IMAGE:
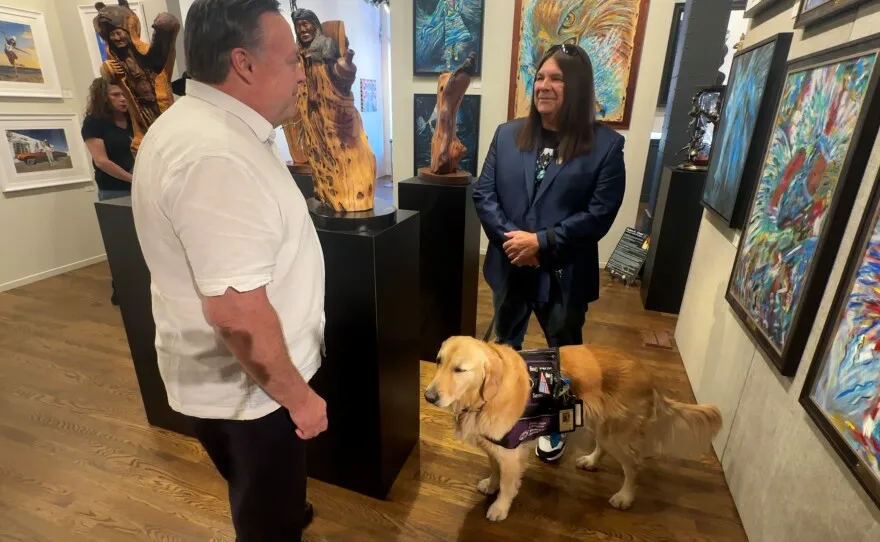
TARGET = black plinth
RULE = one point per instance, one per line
(132, 280)
(382, 215)
(304, 181)
(450, 259)
(673, 237)
(370, 375)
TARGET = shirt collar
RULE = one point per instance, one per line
(262, 128)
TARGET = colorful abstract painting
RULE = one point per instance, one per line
(369, 100)
(610, 31)
(467, 130)
(812, 133)
(445, 32)
(742, 104)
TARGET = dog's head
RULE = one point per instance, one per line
(468, 374)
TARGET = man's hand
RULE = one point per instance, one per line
(310, 416)
(521, 247)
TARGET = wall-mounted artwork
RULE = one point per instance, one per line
(369, 100)
(27, 67)
(468, 130)
(445, 32)
(94, 41)
(610, 31)
(842, 389)
(41, 151)
(756, 79)
(816, 11)
(812, 169)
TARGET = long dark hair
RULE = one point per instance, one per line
(577, 117)
(99, 102)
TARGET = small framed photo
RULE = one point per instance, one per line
(41, 151)
(27, 67)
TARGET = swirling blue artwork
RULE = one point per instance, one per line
(446, 32)
(744, 97)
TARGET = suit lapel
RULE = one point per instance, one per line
(553, 170)
(529, 159)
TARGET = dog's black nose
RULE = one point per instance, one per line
(431, 396)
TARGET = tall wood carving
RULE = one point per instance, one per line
(343, 164)
(142, 70)
(447, 149)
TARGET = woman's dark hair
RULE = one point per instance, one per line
(577, 117)
(99, 102)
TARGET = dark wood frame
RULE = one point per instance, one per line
(856, 465)
(759, 8)
(852, 170)
(415, 151)
(824, 12)
(638, 40)
(671, 50)
(478, 67)
(762, 131)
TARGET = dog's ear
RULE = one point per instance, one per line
(493, 368)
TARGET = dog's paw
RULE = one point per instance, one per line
(622, 500)
(498, 511)
(487, 486)
(587, 462)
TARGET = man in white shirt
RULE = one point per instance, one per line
(236, 266)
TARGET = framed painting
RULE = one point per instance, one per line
(756, 7)
(445, 32)
(816, 11)
(27, 68)
(756, 78)
(812, 168)
(842, 389)
(41, 151)
(369, 99)
(95, 43)
(467, 129)
(610, 31)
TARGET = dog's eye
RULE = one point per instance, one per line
(460, 370)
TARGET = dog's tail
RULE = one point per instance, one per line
(683, 430)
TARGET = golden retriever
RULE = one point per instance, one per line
(486, 387)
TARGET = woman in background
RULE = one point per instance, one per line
(107, 133)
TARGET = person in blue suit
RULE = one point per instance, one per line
(550, 189)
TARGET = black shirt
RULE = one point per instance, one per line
(117, 143)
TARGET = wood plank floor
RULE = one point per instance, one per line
(79, 462)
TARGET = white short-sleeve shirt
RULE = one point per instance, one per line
(216, 208)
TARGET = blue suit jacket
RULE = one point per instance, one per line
(578, 199)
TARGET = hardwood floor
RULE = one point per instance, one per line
(79, 462)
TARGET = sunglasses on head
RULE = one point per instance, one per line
(567, 48)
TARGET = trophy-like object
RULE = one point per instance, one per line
(704, 114)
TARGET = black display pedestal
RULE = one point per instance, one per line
(303, 181)
(132, 281)
(449, 259)
(674, 231)
(370, 375)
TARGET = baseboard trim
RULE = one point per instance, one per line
(52, 272)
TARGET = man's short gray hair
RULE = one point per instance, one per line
(213, 28)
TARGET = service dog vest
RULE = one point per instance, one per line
(552, 406)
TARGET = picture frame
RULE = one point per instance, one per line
(745, 127)
(27, 69)
(429, 54)
(811, 12)
(810, 175)
(25, 164)
(615, 87)
(94, 42)
(469, 116)
(757, 7)
(671, 51)
(840, 390)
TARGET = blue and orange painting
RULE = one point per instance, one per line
(20, 62)
(812, 133)
(39, 149)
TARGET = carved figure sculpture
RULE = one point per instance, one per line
(142, 70)
(447, 149)
(343, 164)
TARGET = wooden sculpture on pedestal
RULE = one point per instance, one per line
(343, 164)
(295, 134)
(142, 70)
(447, 149)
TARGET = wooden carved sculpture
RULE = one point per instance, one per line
(343, 164)
(447, 149)
(142, 70)
(295, 134)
